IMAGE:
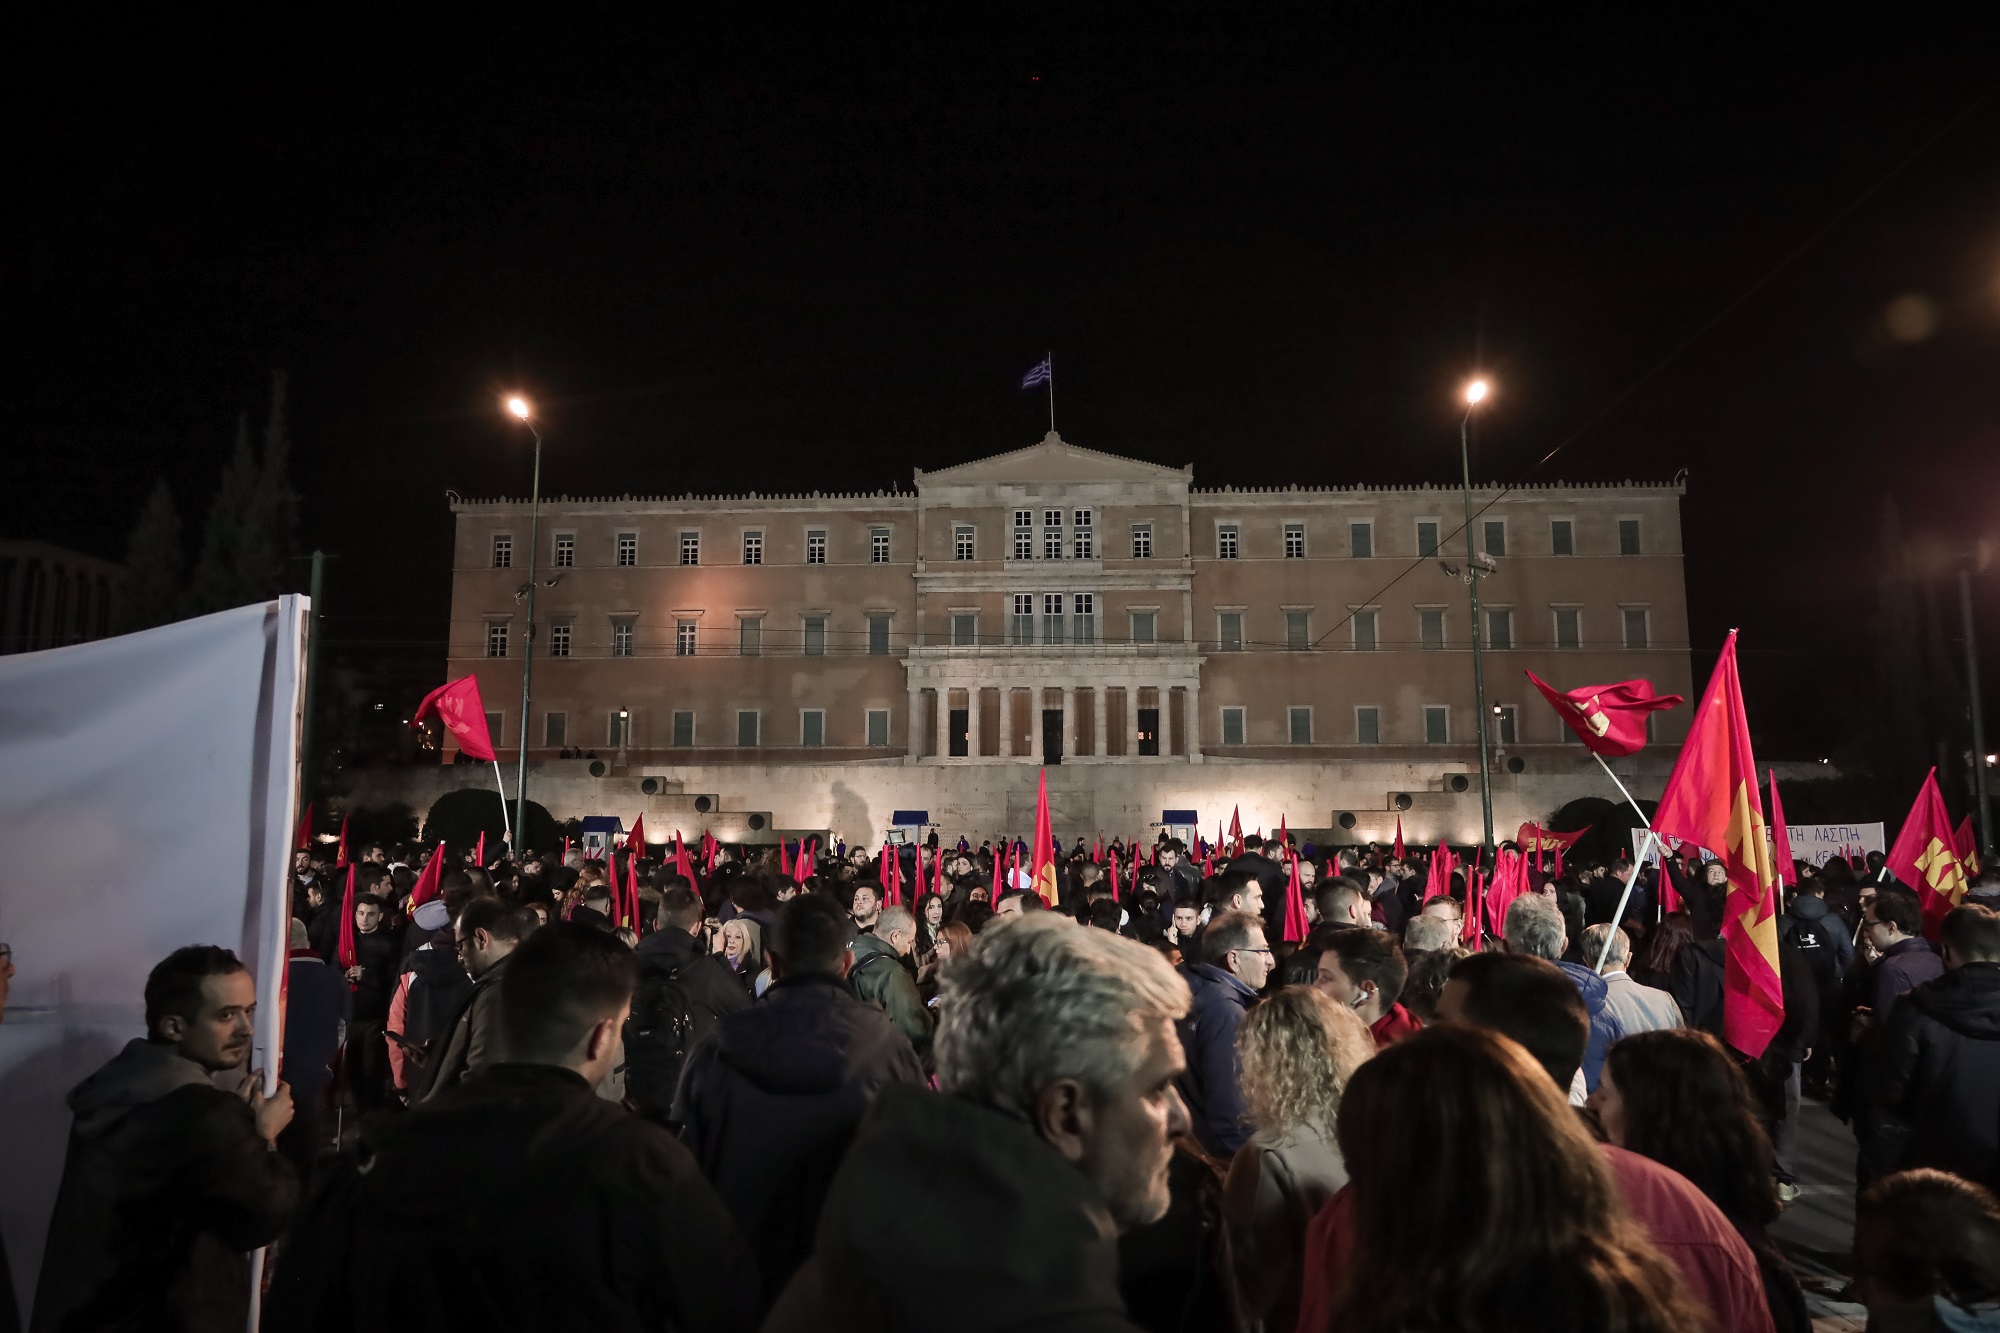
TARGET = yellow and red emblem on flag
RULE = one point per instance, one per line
(1712, 801)
(1042, 869)
(1926, 856)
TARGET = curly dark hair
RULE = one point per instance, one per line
(1689, 1106)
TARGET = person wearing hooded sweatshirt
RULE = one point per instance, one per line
(169, 1181)
(771, 1098)
(1937, 1063)
(1535, 927)
(996, 1204)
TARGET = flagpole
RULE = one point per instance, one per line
(1052, 392)
(1621, 789)
(1645, 849)
(505, 823)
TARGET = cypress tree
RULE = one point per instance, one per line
(153, 593)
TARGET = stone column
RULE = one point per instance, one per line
(1006, 718)
(1194, 720)
(943, 721)
(1132, 719)
(1099, 718)
(916, 745)
(1069, 722)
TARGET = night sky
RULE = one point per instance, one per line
(754, 256)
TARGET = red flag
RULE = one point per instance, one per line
(632, 887)
(340, 852)
(1782, 864)
(1236, 831)
(1475, 906)
(1399, 837)
(1296, 929)
(1712, 801)
(1438, 883)
(998, 874)
(1925, 856)
(635, 841)
(937, 874)
(682, 867)
(1966, 843)
(458, 705)
(479, 852)
(426, 887)
(1042, 870)
(1533, 837)
(1285, 837)
(345, 953)
(895, 878)
(1154, 859)
(709, 847)
(1608, 719)
(1113, 868)
(306, 829)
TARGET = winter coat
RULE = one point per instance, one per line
(1903, 966)
(993, 1230)
(771, 1099)
(1820, 936)
(1639, 1008)
(1605, 1026)
(518, 1199)
(438, 987)
(1937, 1064)
(1211, 1085)
(380, 955)
(470, 1039)
(709, 983)
(166, 1188)
(317, 1002)
(879, 977)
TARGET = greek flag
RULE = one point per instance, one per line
(1042, 373)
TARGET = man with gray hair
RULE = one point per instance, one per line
(1056, 1056)
(1427, 934)
(1638, 1008)
(879, 977)
(1535, 927)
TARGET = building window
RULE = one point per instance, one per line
(746, 727)
(1430, 627)
(496, 724)
(750, 636)
(1499, 628)
(878, 546)
(1297, 635)
(1628, 536)
(496, 639)
(1562, 537)
(1052, 617)
(555, 730)
(1229, 632)
(1024, 534)
(753, 548)
(1635, 628)
(1143, 627)
(1437, 724)
(1365, 637)
(621, 638)
(964, 537)
(812, 727)
(1052, 534)
(1367, 725)
(615, 727)
(815, 546)
(503, 551)
(1225, 541)
(1232, 726)
(628, 549)
(1361, 540)
(1083, 608)
(1295, 541)
(1496, 537)
(1569, 627)
(878, 636)
(1301, 724)
(1142, 541)
(1085, 535)
(683, 727)
(690, 548)
(964, 629)
(878, 727)
(684, 643)
(565, 550)
(815, 636)
(1024, 619)
(559, 639)
(1427, 536)
(1505, 725)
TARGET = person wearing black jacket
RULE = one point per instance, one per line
(1271, 878)
(673, 955)
(1937, 1063)
(520, 1199)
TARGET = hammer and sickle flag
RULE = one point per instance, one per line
(1926, 856)
(1609, 719)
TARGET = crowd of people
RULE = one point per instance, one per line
(1281, 1088)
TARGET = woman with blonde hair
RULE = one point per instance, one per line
(1296, 1051)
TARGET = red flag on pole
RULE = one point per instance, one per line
(1042, 870)
(1608, 719)
(1285, 836)
(999, 871)
(1966, 843)
(1296, 929)
(479, 851)
(632, 887)
(1399, 837)
(709, 847)
(1925, 856)
(1782, 864)
(682, 866)
(895, 879)
(345, 953)
(457, 704)
(1113, 868)
(1712, 801)
(1236, 830)
(340, 852)
(1438, 883)
(305, 842)
(426, 887)
(635, 841)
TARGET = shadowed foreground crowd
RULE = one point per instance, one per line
(787, 1106)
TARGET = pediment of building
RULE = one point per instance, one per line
(1053, 459)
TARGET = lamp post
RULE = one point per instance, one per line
(521, 410)
(1475, 394)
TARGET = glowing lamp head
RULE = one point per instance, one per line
(1475, 392)
(519, 407)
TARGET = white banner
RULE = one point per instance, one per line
(1816, 844)
(147, 790)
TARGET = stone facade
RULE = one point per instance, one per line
(1061, 606)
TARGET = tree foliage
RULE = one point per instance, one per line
(251, 530)
(153, 591)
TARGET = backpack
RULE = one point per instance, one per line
(664, 1025)
(855, 974)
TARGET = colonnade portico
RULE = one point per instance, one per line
(1001, 696)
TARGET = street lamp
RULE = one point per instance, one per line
(524, 412)
(1475, 394)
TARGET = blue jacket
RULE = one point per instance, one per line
(1210, 1086)
(1903, 966)
(317, 1002)
(1605, 1027)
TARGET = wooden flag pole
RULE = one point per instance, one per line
(1645, 848)
(505, 823)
